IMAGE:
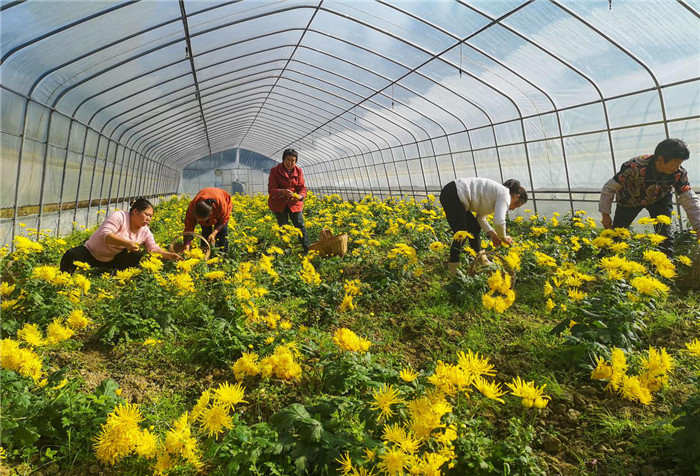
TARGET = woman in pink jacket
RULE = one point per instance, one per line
(287, 191)
(117, 242)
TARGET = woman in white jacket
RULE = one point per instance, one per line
(465, 197)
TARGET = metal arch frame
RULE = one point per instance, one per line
(174, 78)
(515, 73)
(301, 38)
(638, 61)
(28, 99)
(217, 27)
(220, 26)
(572, 68)
(408, 107)
(432, 57)
(198, 96)
(168, 43)
(524, 138)
(329, 103)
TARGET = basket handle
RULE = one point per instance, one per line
(325, 235)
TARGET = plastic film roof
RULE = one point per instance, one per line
(177, 81)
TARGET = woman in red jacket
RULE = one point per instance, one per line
(287, 193)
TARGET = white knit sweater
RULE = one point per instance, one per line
(485, 196)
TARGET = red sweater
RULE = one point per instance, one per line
(280, 180)
(220, 209)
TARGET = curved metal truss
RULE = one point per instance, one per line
(104, 101)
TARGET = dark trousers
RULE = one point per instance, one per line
(624, 216)
(459, 219)
(221, 236)
(122, 261)
(297, 220)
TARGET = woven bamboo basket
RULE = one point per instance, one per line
(330, 245)
(179, 247)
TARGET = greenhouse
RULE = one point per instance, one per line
(359, 237)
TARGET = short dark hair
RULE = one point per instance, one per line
(671, 149)
(291, 152)
(202, 209)
(140, 204)
(515, 188)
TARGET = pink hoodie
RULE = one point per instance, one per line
(118, 223)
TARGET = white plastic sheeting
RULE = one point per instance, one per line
(104, 101)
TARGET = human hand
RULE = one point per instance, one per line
(171, 256)
(187, 247)
(607, 221)
(287, 193)
(495, 238)
(212, 237)
(132, 246)
(508, 240)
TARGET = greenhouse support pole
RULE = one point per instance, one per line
(43, 174)
(19, 171)
(114, 171)
(129, 177)
(63, 179)
(92, 179)
(146, 178)
(136, 181)
(104, 175)
(111, 178)
(142, 178)
(123, 175)
(80, 176)
(331, 178)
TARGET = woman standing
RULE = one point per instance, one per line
(116, 243)
(287, 191)
(464, 197)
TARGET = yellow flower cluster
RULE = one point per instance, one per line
(125, 275)
(500, 295)
(650, 286)
(213, 409)
(19, 359)
(619, 267)
(531, 394)
(347, 340)
(352, 288)
(402, 255)
(694, 347)
(663, 265)
(281, 364)
(121, 436)
(639, 388)
(308, 273)
(24, 246)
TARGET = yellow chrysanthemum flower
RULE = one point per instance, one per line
(407, 374)
(229, 395)
(384, 398)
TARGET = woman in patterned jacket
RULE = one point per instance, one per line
(647, 182)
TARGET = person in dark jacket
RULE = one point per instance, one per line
(287, 191)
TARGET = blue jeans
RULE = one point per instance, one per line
(297, 220)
